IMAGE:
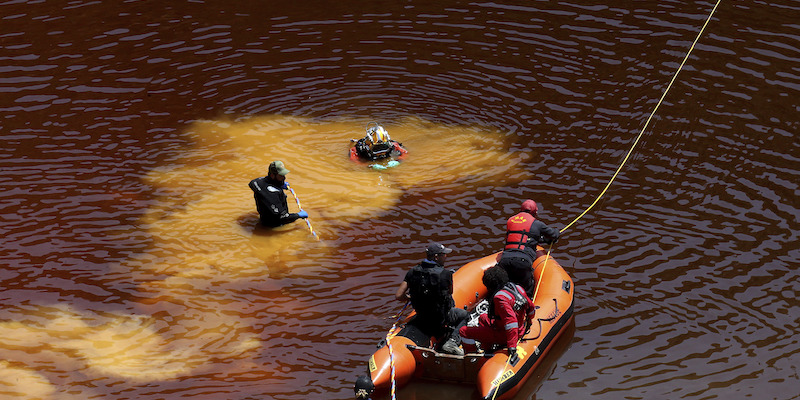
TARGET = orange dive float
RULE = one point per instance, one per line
(409, 354)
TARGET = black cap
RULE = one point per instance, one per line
(437, 248)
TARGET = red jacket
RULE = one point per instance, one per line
(506, 318)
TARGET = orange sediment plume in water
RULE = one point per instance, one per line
(206, 238)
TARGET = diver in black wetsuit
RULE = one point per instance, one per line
(270, 198)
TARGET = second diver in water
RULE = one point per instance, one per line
(376, 145)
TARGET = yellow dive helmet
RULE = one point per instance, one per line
(376, 134)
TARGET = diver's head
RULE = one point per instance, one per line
(376, 134)
(277, 171)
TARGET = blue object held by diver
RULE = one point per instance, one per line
(389, 164)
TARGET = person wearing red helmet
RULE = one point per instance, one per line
(523, 233)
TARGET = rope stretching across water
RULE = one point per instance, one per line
(661, 100)
(635, 142)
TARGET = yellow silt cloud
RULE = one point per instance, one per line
(205, 239)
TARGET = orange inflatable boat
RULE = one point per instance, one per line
(407, 355)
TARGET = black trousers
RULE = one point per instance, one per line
(439, 326)
(519, 270)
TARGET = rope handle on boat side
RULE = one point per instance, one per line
(635, 142)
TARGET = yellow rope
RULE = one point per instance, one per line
(547, 257)
(541, 274)
(538, 281)
(635, 142)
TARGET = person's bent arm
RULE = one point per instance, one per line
(402, 292)
(549, 235)
(508, 317)
(289, 218)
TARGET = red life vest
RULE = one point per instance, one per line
(518, 232)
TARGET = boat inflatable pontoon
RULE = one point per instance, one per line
(413, 354)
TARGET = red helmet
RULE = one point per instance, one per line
(530, 206)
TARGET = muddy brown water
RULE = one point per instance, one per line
(132, 266)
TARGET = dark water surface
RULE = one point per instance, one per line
(132, 267)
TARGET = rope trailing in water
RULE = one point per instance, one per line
(635, 142)
(301, 207)
(392, 333)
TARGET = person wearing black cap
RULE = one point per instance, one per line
(429, 288)
(523, 233)
(270, 198)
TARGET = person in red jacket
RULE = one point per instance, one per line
(524, 232)
(510, 314)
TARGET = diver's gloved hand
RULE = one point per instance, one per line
(513, 358)
(302, 214)
(285, 185)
